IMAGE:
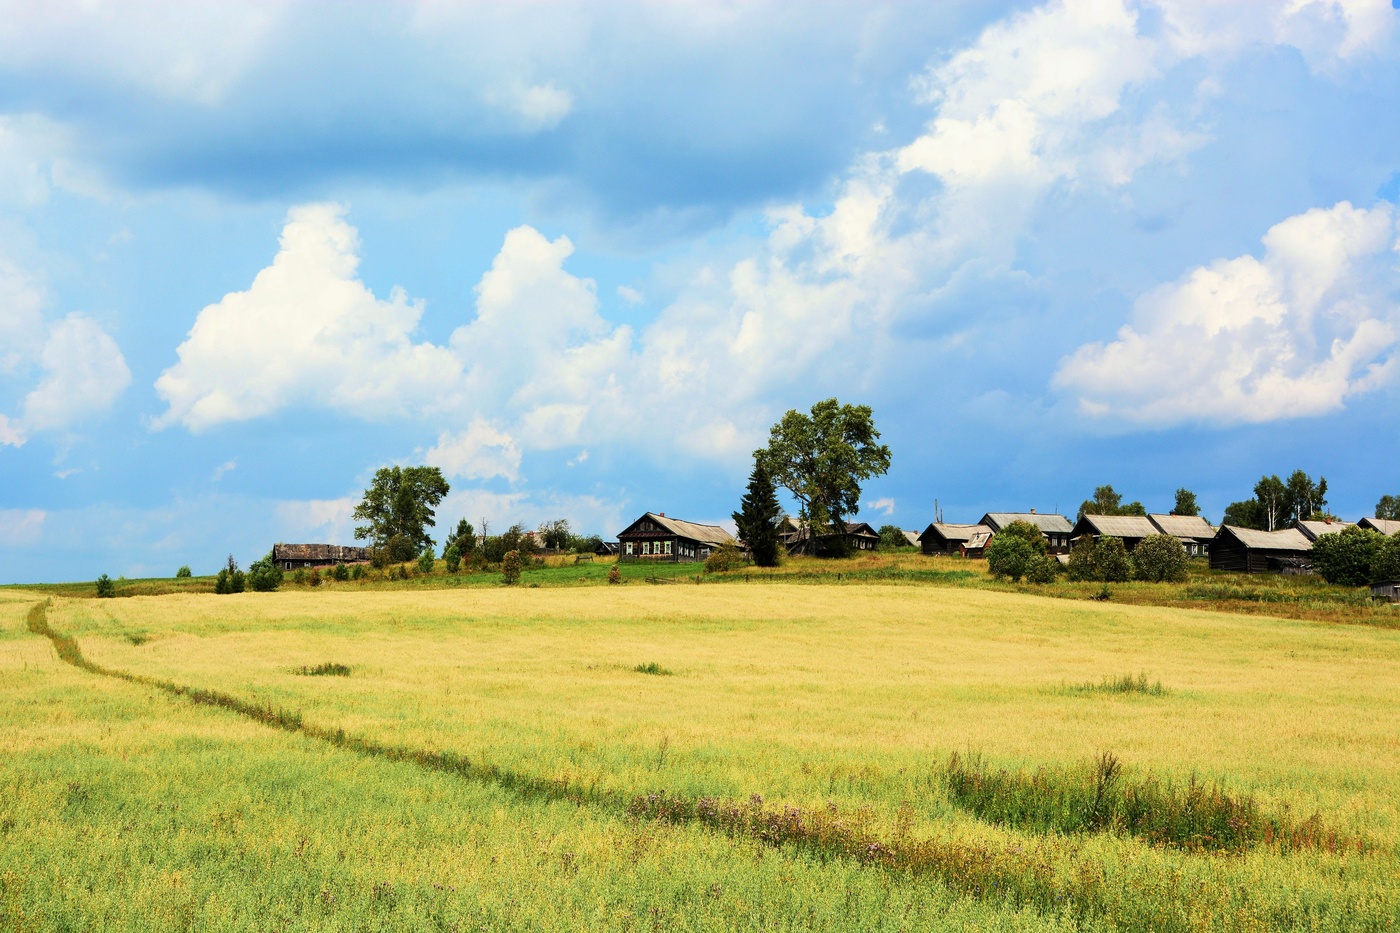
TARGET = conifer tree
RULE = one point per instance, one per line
(757, 518)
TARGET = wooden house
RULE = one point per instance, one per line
(1386, 591)
(1314, 530)
(606, 549)
(1056, 528)
(796, 537)
(297, 556)
(1248, 550)
(1194, 532)
(655, 537)
(949, 538)
(1386, 526)
(1130, 529)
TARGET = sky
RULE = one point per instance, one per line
(581, 256)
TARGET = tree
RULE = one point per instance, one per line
(1345, 557)
(1043, 568)
(425, 560)
(1111, 560)
(1306, 499)
(1081, 560)
(757, 518)
(1389, 508)
(1274, 502)
(1385, 563)
(264, 576)
(398, 506)
(453, 558)
(822, 458)
(893, 536)
(463, 537)
(184, 573)
(556, 534)
(1246, 514)
(510, 568)
(106, 589)
(1185, 503)
(1160, 559)
(1013, 550)
(230, 578)
(1108, 502)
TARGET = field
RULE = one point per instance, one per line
(760, 755)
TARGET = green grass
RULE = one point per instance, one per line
(492, 764)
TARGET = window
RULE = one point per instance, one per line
(668, 547)
(629, 548)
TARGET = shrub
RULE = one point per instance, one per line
(1344, 557)
(426, 561)
(1111, 560)
(230, 578)
(724, 558)
(264, 575)
(1082, 565)
(299, 576)
(453, 556)
(106, 589)
(651, 667)
(379, 557)
(614, 574)
(340, 573)
(314, 578)
(183, 573)
(1385, 563)
(1160, 559)
(1042, 568)
(357, 572)
(510, 567)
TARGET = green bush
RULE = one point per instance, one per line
(453, 556)
(299, 576)
(314, 577)
(510, 567)
(426, 561)
(1082, 566)
(230, 579)
(1385, 563)
(1160, 559)
(1042, 568)
(1111, 560)
(724, 558)
(264, 575)
(1345, 557)
(106, 589)
(1014, 549)
(183, 573)
(340, 573)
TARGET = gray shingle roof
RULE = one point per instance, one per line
(1119, 526)
(1183, 526)
(1285, 539)
(1386, 526)
(955, 532)
(1055, 524)
(706, 534)
(1314, 530)
(327, 552)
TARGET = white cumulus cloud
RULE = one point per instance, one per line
(480, 452)
(19, 527)
(1291, 334)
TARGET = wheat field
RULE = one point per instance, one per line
(537, 736)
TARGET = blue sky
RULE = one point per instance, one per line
(581, 256)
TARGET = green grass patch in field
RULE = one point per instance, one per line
(1125, 684)
(328, 669)
(651, 667)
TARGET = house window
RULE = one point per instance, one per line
(668, 547)
(629, 548)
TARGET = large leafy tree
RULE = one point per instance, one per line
(1345, 556)
(1306, 499)
(1275, 504)
(1186, 503)
(822, 458)
(1388, 507)
(1108, 502)
(1246, 513)
(398, 509)
(757, 518)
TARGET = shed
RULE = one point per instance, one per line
(1248, 550)
(1386, 526)
(1194, 532)
(1056, 528)
(1130, 529)
(943, 538)
(658, 538)
(1386, 590)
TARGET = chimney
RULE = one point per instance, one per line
(1032, 511)
(662, 514)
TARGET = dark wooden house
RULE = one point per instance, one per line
(949, 538)
(655, 537)
(1386, 591)
(1247, 550)
(297, 556)
(1056, 528)
(1130, 529)
(797, 538)
(1386, 526)
(606, 549)
(1194, 532)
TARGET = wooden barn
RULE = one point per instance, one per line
(1314, 530)
(1194, 532)
(297, 556)
(1056, 528)
(655, 537)
(1386, 591)
(795, 536)
(1130, 529)
(1386, 526)
(1247, 550)
(949, 538)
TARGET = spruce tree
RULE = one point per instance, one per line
(757, 518)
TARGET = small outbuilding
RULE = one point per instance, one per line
(1194, 532)
(1386, 591)
(949, 538)
(1248, 550)
(655, 537)
(298, 556)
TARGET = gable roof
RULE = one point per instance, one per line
(912, 537)
(1056, 524)
(1315, 530)
(1183, 526)
(1117, 526)
(705, 534)
(799, 528)
(1386, 526)
(329, 552)
(953, 532)
(1285, 539)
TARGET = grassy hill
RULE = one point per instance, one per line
(769, 755)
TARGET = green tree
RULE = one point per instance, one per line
(892, 536)
(1013, 550)
(1043, 568)
(757, 518)
(1389, 508)
(1306, 499)
(510, 567)
(106, 589)
(453, 558)
(230, 578)
(1245, 514)
(1111, 560)
(184, 573)
(426, 561)
(1275, 503)
(1385, 563)
(1345, 557)
(398, 508)
(1185, 503)
(556, 534)
(822, 459)
(1160, 559)
(1081, 560)
(1108, 502)
(264, 575)
(463, 537)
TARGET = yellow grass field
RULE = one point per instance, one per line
(125, 807)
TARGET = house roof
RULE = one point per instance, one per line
(1386, 526)
(1051, 523)
(1118, 526)
(705, 534)
(1285, 539)
(1314, 530)
(799, 528)
(1183, 526)
(912, 537)
(954, 532)
(979, 539)
(331, 552)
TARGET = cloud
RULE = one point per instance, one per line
(222, 469)
(1327, 32)
(1294, 333)
(326, 520)
(630, 295)
(20, 527)
(885, 505)
(82, 372)
(479, 452)
(307, 332)
(21, 323)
